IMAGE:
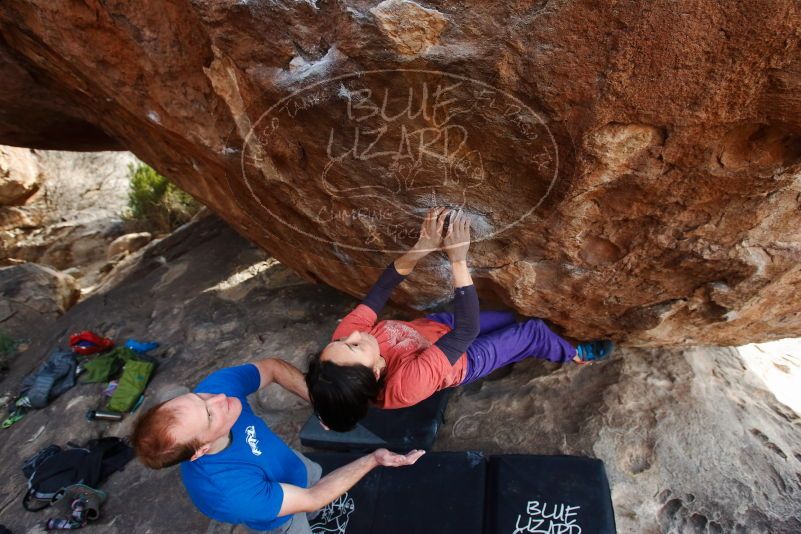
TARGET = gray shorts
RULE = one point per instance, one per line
(299, 524)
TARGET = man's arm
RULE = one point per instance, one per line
(337, 482)
(284, 374)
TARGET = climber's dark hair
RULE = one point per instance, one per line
(340, 394)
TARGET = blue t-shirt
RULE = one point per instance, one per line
(240, 484)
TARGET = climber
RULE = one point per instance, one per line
(394, 364)
(235, 469)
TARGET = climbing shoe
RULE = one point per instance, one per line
(593, 351)
(16, 415)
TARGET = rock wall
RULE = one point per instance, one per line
(632, 168)
(85, 186)
(71, 216)
(19, 176)
(692, 439)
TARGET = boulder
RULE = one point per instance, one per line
(631, 168)
(128, 243)
(67, 244)
(55, 122)
(13, 218)
(32, 296)
(19, 175)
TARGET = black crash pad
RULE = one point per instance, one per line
(399, 430)
(548, 494)
(443, 493)
(468, 493)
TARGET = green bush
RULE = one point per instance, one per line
(155, 203)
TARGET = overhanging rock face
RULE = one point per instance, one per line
(632, 169)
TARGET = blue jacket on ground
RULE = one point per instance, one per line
(240, 484)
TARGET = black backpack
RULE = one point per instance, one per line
(53, 469)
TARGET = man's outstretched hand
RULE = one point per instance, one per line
(391, 459)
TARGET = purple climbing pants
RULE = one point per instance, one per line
(502, 340)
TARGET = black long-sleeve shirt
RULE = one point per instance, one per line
(466, 323)
(465, 312)
(379, 294)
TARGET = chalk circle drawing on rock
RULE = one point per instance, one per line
(361, 157)
(333, 519)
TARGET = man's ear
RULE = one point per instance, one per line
(200, 452)
(377, 372)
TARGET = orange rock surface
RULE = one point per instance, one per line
(632, 168)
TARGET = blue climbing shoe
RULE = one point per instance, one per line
(593, 351)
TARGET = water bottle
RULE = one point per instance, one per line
(101, 415)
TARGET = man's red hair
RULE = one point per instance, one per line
(152, 440)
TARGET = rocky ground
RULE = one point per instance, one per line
(72, 211)
(692, 439)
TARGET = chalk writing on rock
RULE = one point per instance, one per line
(374, 150)
(548, 518)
